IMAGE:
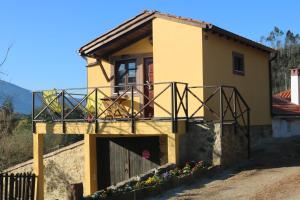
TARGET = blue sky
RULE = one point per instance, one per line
(46, 34)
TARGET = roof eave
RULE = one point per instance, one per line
(138, 20)
(147, 16)
(241, 39)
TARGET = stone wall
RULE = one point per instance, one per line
(234, 145)
(198, 143)
(61, 168)
(260, 133)
(204, 142)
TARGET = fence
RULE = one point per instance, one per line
(100, 104)
(17, 186)
(223, 104)
(172, 101)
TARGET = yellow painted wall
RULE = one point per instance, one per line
(142, 46)
(95, 75)
(177, 52)
(253, 86)
(102, 75)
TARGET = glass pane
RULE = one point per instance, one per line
(131, 80)
(238, 64)
(121, 72)
(131, 65)
(131, 72)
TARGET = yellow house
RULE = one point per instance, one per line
(150, 82)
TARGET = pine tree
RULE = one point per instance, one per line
(288, 46)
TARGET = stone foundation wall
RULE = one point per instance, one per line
(199, 143)
(234, 145)
(204, 142)
(62, 167)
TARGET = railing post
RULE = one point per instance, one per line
(63, 112)
(221, 110)
(248, 132)
(234, 103)
(132, 111)
(33, 113)
(96, 110)
(234, 110)
(187, 106)
(174, 107)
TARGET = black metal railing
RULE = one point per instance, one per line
(223, 104)
(96, 105)
(160, 101)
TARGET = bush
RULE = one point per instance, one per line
(17, 147)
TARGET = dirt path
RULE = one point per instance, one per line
(272, 173)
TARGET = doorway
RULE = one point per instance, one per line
(119, 159)
(148, 87)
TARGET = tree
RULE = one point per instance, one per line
(5, 58)
(6, 112)
(288, 46)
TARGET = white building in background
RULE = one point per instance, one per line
(286, 109)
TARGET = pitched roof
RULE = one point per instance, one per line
(282, 106)
(147, 16)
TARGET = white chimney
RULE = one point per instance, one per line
(295, 86)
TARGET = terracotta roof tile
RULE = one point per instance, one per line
(281, 104)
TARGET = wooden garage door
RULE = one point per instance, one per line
(122, 158)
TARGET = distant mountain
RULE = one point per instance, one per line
(21, 97)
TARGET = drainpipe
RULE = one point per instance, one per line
(270, 81)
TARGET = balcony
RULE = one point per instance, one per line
(136, 109)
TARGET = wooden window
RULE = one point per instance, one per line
(238, 63)
(125, 73)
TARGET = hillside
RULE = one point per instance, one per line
(21, 98)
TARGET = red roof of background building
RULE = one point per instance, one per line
(281, 104)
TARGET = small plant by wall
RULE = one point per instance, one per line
(152, 182)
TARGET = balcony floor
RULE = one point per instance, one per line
(111, 128)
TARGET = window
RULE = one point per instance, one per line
(125, 73)
(238, 63)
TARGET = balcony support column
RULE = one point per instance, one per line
(173, 148)
(38, 166)
(90, 164)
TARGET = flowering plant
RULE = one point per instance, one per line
(99, 195)
(157, 178)
(167, 175)
(186, 169)
(175, 172)
(153, 180)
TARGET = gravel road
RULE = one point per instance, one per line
(273, 172)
